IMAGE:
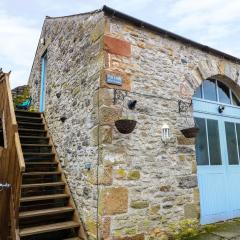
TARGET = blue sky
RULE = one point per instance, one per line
(215, 23)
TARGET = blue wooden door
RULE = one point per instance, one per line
(217, 152)
(43, 82)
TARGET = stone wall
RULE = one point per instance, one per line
(152, 183)
(74, 61)
(138, 184)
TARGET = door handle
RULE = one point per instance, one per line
(221, 108)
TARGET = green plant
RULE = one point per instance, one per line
(188, 229)
(185, 229)
(20, 98)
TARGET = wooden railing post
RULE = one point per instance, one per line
(12, 163)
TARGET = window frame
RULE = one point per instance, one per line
(231, 92)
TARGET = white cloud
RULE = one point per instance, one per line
(212, 22)
(18, 41)
(215, 23)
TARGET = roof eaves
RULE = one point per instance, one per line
(137, 22)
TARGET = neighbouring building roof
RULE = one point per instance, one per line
(112, 12)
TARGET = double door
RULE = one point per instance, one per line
(218, 163)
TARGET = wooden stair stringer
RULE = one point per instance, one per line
(82, 233)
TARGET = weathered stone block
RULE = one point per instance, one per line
(108, 115)
(103, 96)
(130, 231)
(120, 173)
(154, 209)
(182, 157)
(191, 210)
(196, 196)
(91, 227)
(185, 141)
(104, 176)
(135, 237)
(97, 31)
(101, 135)
(106, 227)
(114, 201)
(165, 188)
(187, 182)
(139, 204)
(117, 46)
(133, 175)
(194, 167)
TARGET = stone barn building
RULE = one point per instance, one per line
(87, 69)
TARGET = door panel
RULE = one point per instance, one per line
(43, 82)
(213, 202)
(231, 138)
(219, 176)
(234, 192)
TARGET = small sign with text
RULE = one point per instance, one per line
(113, 79)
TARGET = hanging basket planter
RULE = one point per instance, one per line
(125, 126)
(190, 132)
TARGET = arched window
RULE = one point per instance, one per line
(217, 91)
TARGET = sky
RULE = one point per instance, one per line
(215, 23)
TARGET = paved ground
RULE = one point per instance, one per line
(225, 231)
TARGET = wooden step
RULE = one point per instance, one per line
(38, 154)
(45, 212)
(34, 139)
(43, 197)
(27, 113)
(33, 185)
(29, 119)
(47, 228)
(44, 166)
(36, 145)
(41, 163)
(31, 130)
(41, 173)
(30, 125)
(36, 148)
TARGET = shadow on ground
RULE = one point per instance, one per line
(223, 231)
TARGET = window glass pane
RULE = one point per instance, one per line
(235, 100)
(213, 142)
(209, 89)
(231, 143)
(201, 142)
(198, 92)
(223, 93)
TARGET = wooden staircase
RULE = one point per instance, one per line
(47, 210)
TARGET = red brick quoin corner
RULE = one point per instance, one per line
(117, 46)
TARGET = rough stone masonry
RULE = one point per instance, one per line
(137, 183)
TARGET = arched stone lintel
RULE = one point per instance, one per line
(221, 70)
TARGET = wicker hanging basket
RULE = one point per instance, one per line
(190, 132)
(125, 126)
